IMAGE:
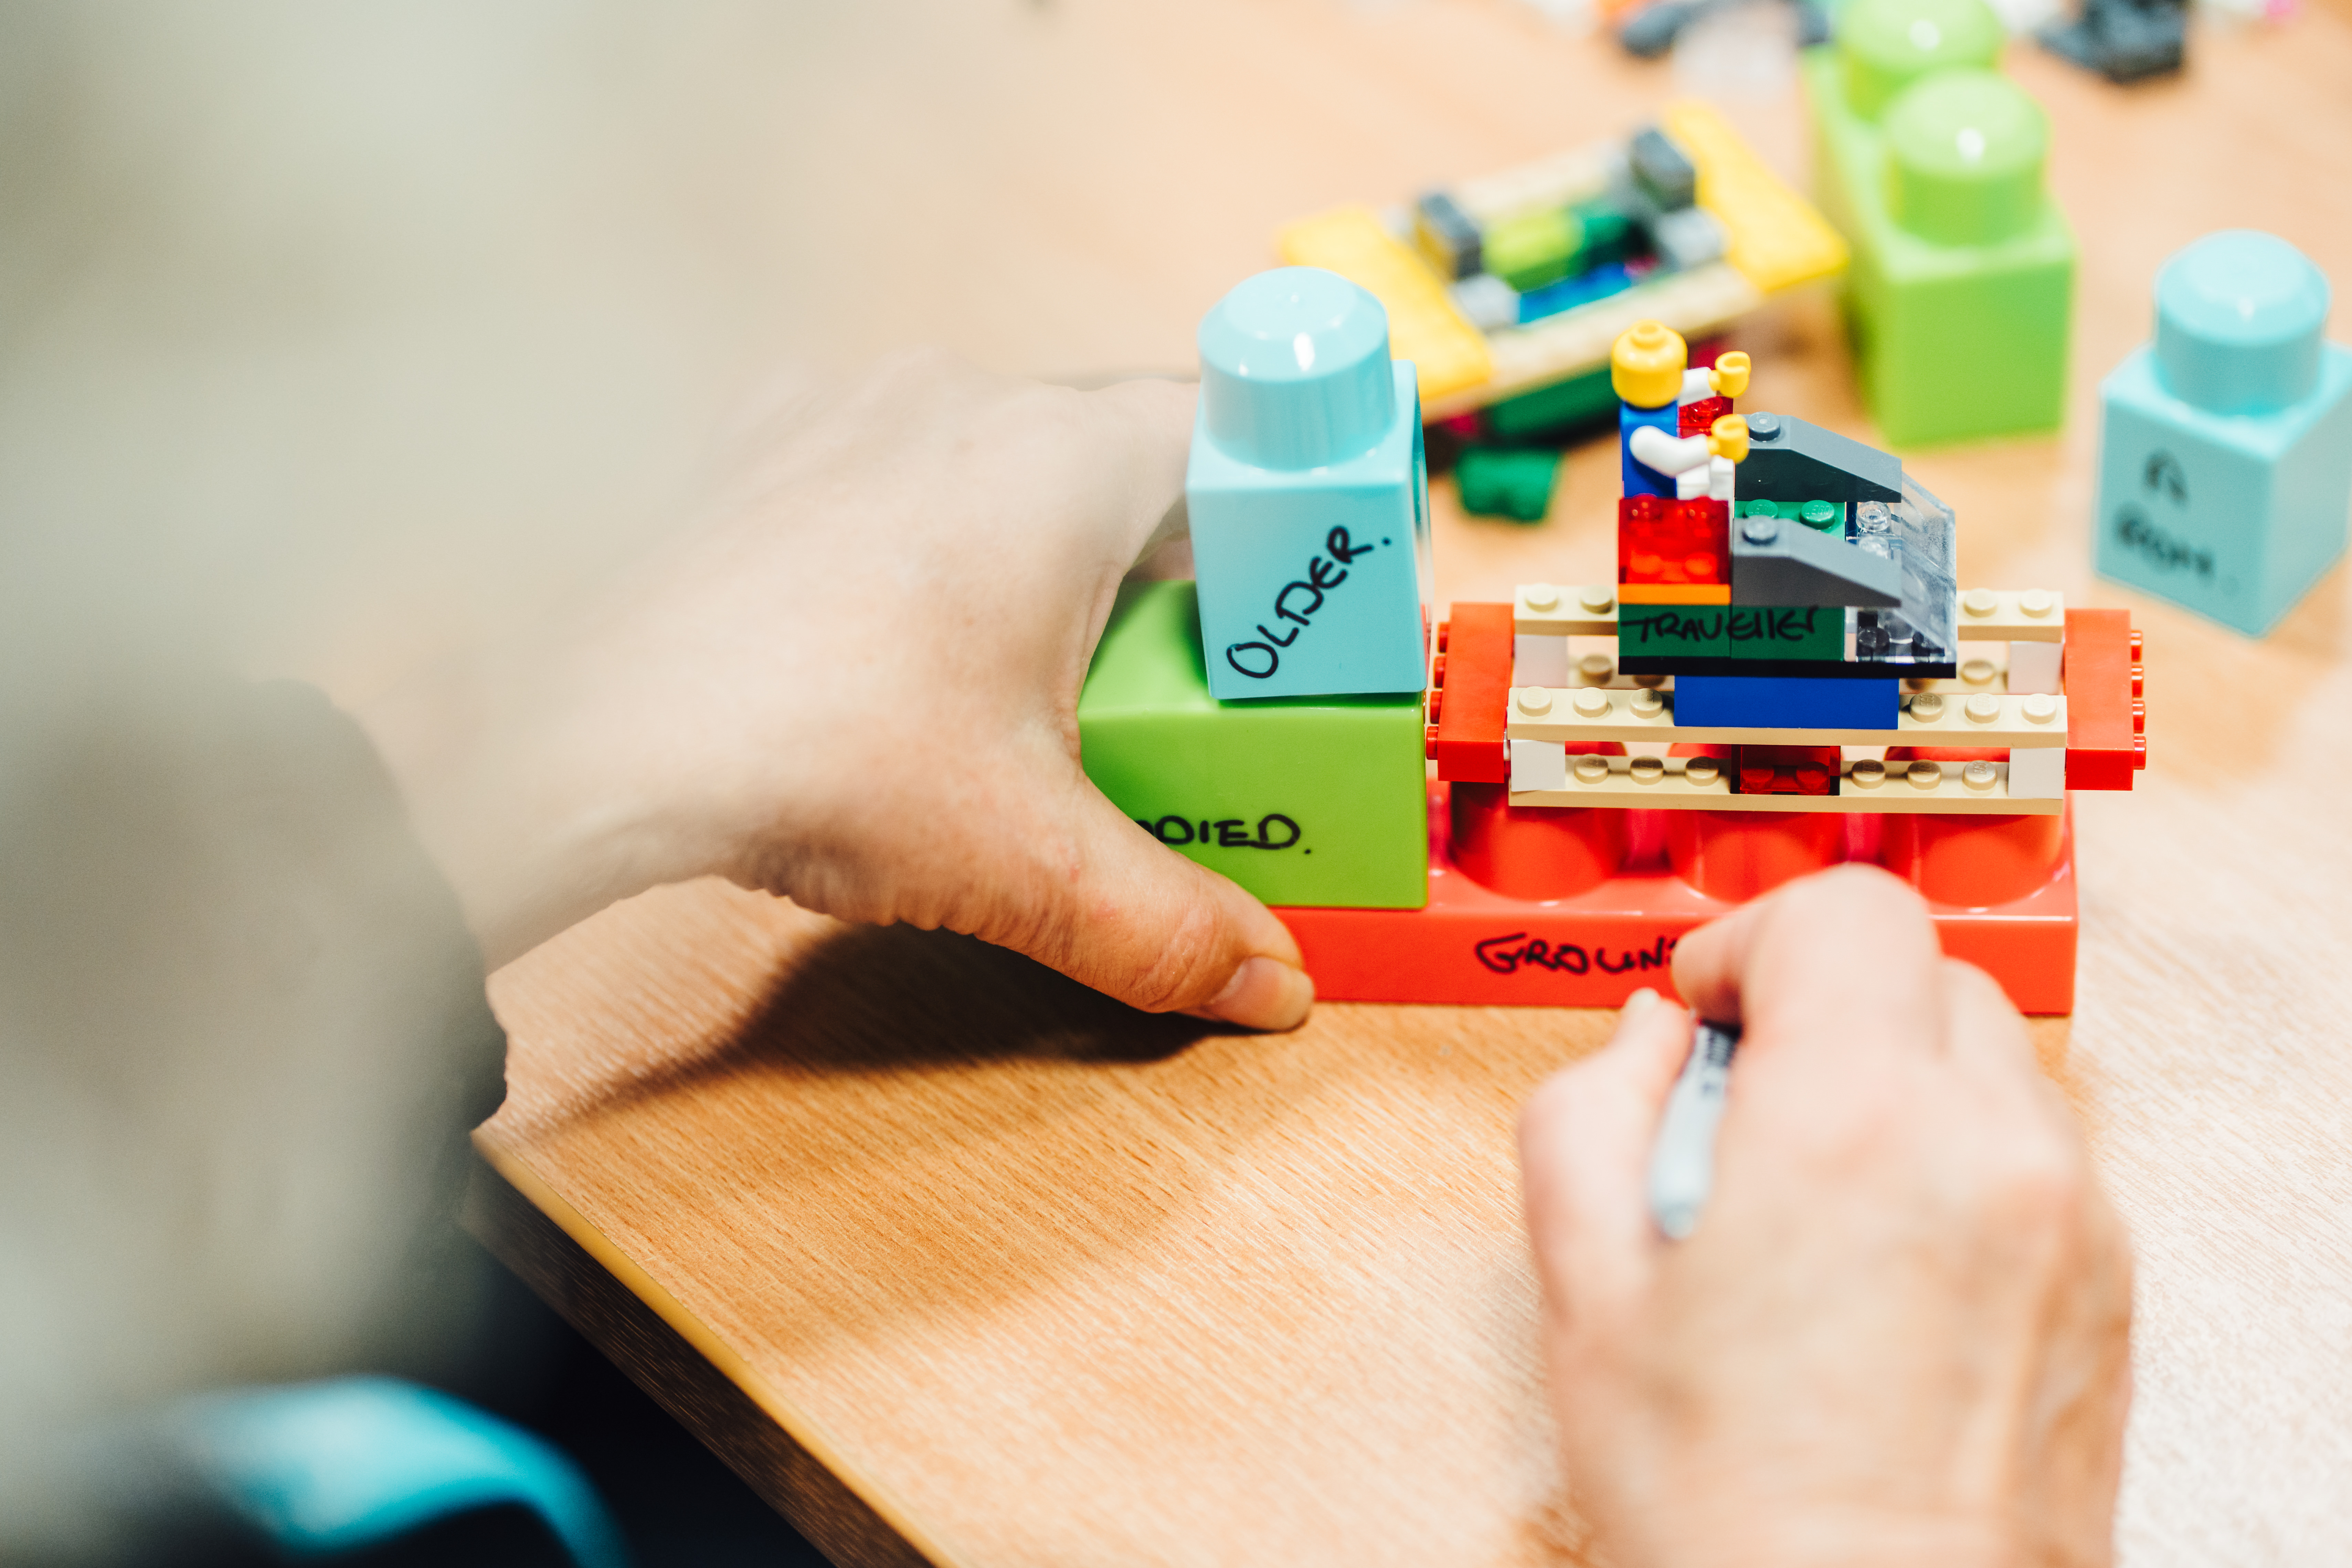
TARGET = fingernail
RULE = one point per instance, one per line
(1264, 994)
(1636, 1004)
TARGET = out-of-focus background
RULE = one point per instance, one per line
(334, 336)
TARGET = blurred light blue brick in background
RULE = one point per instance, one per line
(1309, 494)
(2225, 463)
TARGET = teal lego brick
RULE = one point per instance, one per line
(1309, 494)
(1303, 801)
(2225, 453)
(2232, 516)
(1958, 295)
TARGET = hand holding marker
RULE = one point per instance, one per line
(1682, 1162)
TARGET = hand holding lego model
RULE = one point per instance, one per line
(855, 686)
(1900, 1331)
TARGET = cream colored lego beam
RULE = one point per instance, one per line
(1668, 784)
(2009, 615)
(1552, 610)
(1928, 719)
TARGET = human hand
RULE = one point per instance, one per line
(855, 684)
(1900, 1332)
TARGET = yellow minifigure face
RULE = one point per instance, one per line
(1645, 367)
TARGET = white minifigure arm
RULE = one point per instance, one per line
(1655, 448)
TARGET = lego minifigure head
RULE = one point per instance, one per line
(1646, 365)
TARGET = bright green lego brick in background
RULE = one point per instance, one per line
(1534, 249)
(1507, 481)
(1301, 800)
(1959, 291)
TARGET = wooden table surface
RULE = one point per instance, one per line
(955, 1260)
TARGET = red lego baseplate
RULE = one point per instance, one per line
(1473, 946)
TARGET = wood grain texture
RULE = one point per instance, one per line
(1046, 1282)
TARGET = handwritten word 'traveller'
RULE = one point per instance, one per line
(1297, 603)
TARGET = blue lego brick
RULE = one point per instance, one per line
(2231, 515)
(1570, 292)
(1640, 479)
(1779, 702)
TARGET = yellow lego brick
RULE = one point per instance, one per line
(1449, 355)
(1777, 239)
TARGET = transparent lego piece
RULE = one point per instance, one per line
(1921, 536)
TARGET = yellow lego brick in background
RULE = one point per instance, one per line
(1777, 237)
(1449, 355)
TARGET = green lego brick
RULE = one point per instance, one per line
(1673, 631)
(1301, 800)
(1777, 633)
(1953, 340)
(1579, 400)
(1534, 249)
(1507, 481)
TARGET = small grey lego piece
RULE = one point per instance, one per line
(1663, 171)
(1691, 238)
(1781, 564)
(1790, 459)
(1486, 301)
(1446, 235)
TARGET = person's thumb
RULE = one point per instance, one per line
(1130, 917)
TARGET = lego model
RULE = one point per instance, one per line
(2225, 458)
(2123, 40)
(1506, 292)
(1780, 678)
(1930, 164)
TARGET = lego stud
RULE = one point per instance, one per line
(1295, 370)
(1868, 773)
(1965, 151)
(1540, 595)
(1531, 700)
(1590, 703)
(1980, 602)
(2040, 708)
(1703, 771)
(1980, 776)
(1926, 707)
(1596, 600)
(1591, 769)
(1979, 672)
(1983, 709)
(1760, 529)
(1647, 770)
(1647, 704)
(2037, 603)
(1884, 46)
(1923, 776)
(2239, 316)
(1763, 427)
(1596, 668)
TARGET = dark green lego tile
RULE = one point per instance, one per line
(1673, 631)
(1507, 481)
(1775, 633)
(1301, 800)
(1562, 406)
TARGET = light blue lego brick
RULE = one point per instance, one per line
(1786, 702)
(1282, 613)
(2231, 515)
